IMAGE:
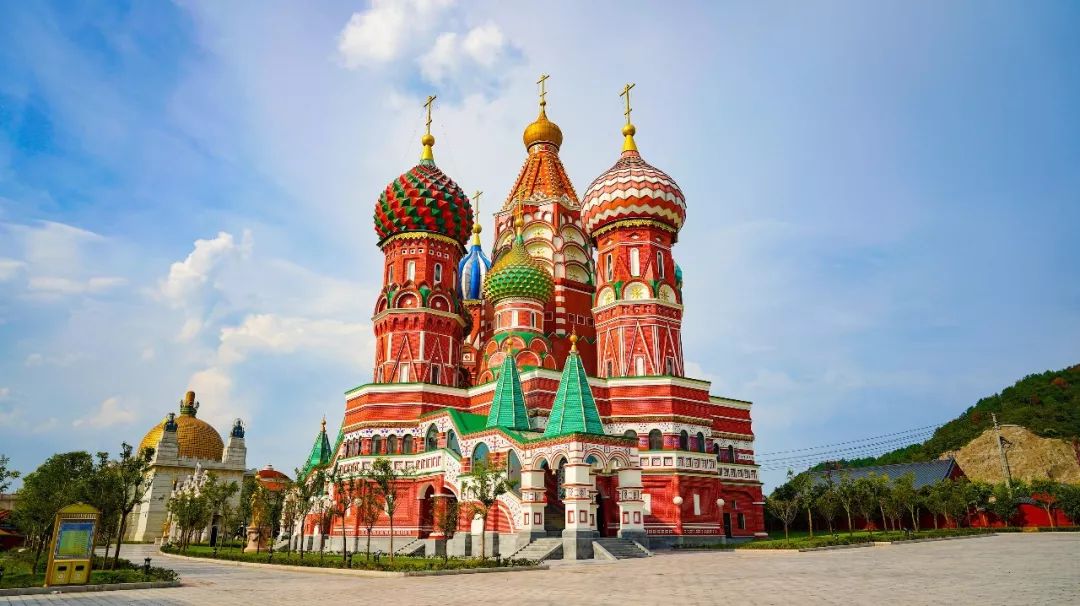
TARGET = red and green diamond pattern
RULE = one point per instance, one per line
(424, 199)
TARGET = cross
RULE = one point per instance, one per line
(543, 89)
(427, 105)
(476, 201)
(626, 93)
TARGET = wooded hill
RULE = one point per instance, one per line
(1048, 404)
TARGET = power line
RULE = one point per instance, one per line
(917, 429)
(810, 462)
(891, 443)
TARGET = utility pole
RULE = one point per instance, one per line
(1001, 443)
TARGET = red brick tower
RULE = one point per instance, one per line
(633, 213)
(423, 220)
(554, 236)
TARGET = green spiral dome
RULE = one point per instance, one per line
(518, 274)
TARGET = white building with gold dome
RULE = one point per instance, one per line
(184, 445)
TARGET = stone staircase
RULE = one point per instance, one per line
(620, 549)
(414, 547)
(549, 548)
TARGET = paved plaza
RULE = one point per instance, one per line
(1004, 569)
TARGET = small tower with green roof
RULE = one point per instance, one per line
(574, 410)
(508, 404)
(321, 451)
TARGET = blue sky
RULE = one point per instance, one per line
(882, 198)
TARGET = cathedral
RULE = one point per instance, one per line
(560, 359)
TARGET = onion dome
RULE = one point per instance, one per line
(196, 438)
(518, 274)
(271, 478)
(632, 190)
(542, 130)
(424, 199)
(472, 269)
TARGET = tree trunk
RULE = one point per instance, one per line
(1050, 515)
(119, 537)
(884, 522)
(810, 522)
(483, 541)
(367, 556)
(850, 524)
(37, 553)
(344, 548)
(391, 538)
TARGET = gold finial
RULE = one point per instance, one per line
(519, 218)
(573, 341)
(543, 89)
(628, 131)
(427, 140)
(476, 229)
(324, 423)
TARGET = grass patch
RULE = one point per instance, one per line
(18, 566)
(831, 540)
(358, 561)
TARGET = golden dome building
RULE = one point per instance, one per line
(184, 446)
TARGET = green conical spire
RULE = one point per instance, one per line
(320, 450)
(508, 404)
(574, 410)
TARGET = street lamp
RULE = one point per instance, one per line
(720, 504)
(146, 567)
(677, 500)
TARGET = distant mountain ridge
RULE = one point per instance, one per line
(1047, 404)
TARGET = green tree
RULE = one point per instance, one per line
(446, 521)
(866, 500)
(6, 475)
(828, 503)
(935, 497)
(847, 492)
(784, 503)
(1068, 501)
(368, 509)
(879, 493)
(345, 494)
(218, 498)
(270, 503)
(387, 479)
(807, 493)
(907, 498)
(57, 483)
(133, 478)
(1003, 502)
(484, 485)
(190, 511)
(1045, 492)
(956, 501)
(306, 492)
(102, 490)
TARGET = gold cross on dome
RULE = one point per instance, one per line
(427, 105)
(476, 201)
(626, 93)
(543, 89)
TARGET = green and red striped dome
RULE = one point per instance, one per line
(424, 199)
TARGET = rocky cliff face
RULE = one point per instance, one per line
(1030, 457)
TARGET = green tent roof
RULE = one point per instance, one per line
(320, 451)
(508, 403)
(574, 410)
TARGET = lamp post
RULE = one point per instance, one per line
(723, 529)
(678, 501)
(146, 567)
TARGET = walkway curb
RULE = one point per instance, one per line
(358, 573)
(86, 588)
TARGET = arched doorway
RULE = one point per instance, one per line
(427, 511)
(554, 510)
(656, 440)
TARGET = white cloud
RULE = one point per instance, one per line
(57, 286)
(483, 47)
(10, 417)
(5, 393)
(381, 33)
(285, 335)
(187, 278)
(9, 268)
(110, 413)
(63, 360)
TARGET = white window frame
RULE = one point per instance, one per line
(403, 373)
(635, 262)
(639, 366)
(609, 270)
(410, 270)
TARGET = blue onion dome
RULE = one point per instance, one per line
(472, 269)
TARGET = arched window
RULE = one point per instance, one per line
(438, 273)
(431, 438)
(731, 454)
(513, 472)
(660, 264)
(656, 440)
(716, 450)
(391, 445)
(452, 443)
(410, 270)
(406, 444)
(630, 433)
(390, 274)
(635, 262)
(684, 439)
(609, 269)
(480, 453)
(700, 442)
(376, 445)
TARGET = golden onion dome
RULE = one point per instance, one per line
(196, 438)
(542, 131)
